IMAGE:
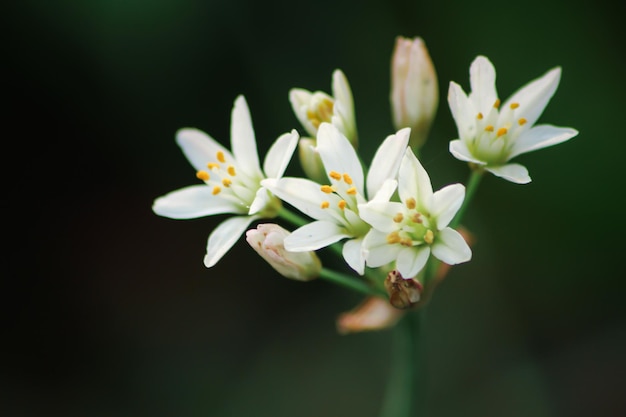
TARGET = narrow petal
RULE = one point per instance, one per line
(386, 161)
(463, 111)
(534, 96)
(279, 154)
(338, 154)
(483, 83)
(386, 191)
(299, 99)
(243, 142)
(446, 202)
(305, 195)
(192, 202)
(260, 201)
(314, 236)
(459, 150)
(379, 214)
(511, 172)
(377, 251)
(411, 260)
(414, 182)
(353, 254)
(199, 148)
(224, 237)
(541, 136)
(451, 248)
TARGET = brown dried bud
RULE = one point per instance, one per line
(403, 293)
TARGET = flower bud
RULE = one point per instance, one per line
(310, 160)
(403, 293)
(267, 239)
(372, 314)
(414, 89)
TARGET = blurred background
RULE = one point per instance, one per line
(108, 309)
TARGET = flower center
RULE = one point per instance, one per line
(320, 109)
(343, 202)
(414, 227)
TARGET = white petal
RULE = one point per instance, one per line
(534, 96)
(261, 199)
(483, 83)
(411, 260)
(463, 111)
(451, 248)
(313, 236)
(338, 154)
(446, 202)
(386, 191)
(342, 92)
(377, 251)
(414, 182)
(541, 136)
(459, 150)
(224, 237)
(353, 255)
(193, 201)
(279, 155)
(299, 99)
(511, 172)
(243, 142)
(379, 214)
(386, 161)
(199, 148)
(305, 195)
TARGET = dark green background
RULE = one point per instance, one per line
(109, 309)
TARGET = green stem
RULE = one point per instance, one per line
(292, 217)
(470, 190)
(347, 281)
(403, 390)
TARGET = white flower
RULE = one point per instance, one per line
(408, 232)
(232, 181)
(492, 134)
(335, 205)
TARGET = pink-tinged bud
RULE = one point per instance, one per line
(414, 89)
(267, 239)
(403, 293)
(372, 314)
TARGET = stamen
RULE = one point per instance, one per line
(393, 237)
(497, 103)
(417, 218)
(411, 203)
(479, 116)
(327, 189)
(325, 204)
(522, 121)
(429, 237)
(406, 242)
(513, 106)
(347, 179)
(342, 204)
(351, 190)
(220, 156)
(212, 166)
(398, 217)
(501, 131)
(216, 190)
(203, 175)
(231, 171)
(334, 175)
(488, 128)
(227, 182)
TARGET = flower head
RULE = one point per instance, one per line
(414, 89)
(407, 232)
(492, 133)
(231, 181)
(335, 205)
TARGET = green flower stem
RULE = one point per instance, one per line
(403, 392)
(470, 190)
(347, 281)
(292, 217)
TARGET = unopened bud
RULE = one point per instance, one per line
(403, 293)
(372, 314)
(310, 160)
(268, 240)
(414, 89)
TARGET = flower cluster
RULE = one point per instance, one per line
(384, 219)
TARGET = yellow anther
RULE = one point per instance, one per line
(501, 131)
(406, 242)
(393, 237)
(347, 178)
(227, 182)
(496, 104)
(212, 165)
(216, 190)
(522, 121)
(411, 203)
(334, 175)
(488, 128)
(416, 218)
(398, 217)
(231, 171)
(325, 204)
(203, 175)
(342, 204)
(429, 237)
(351, 190)
(479, 116)
(327, 189)
(220, 156)
(513, 106)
